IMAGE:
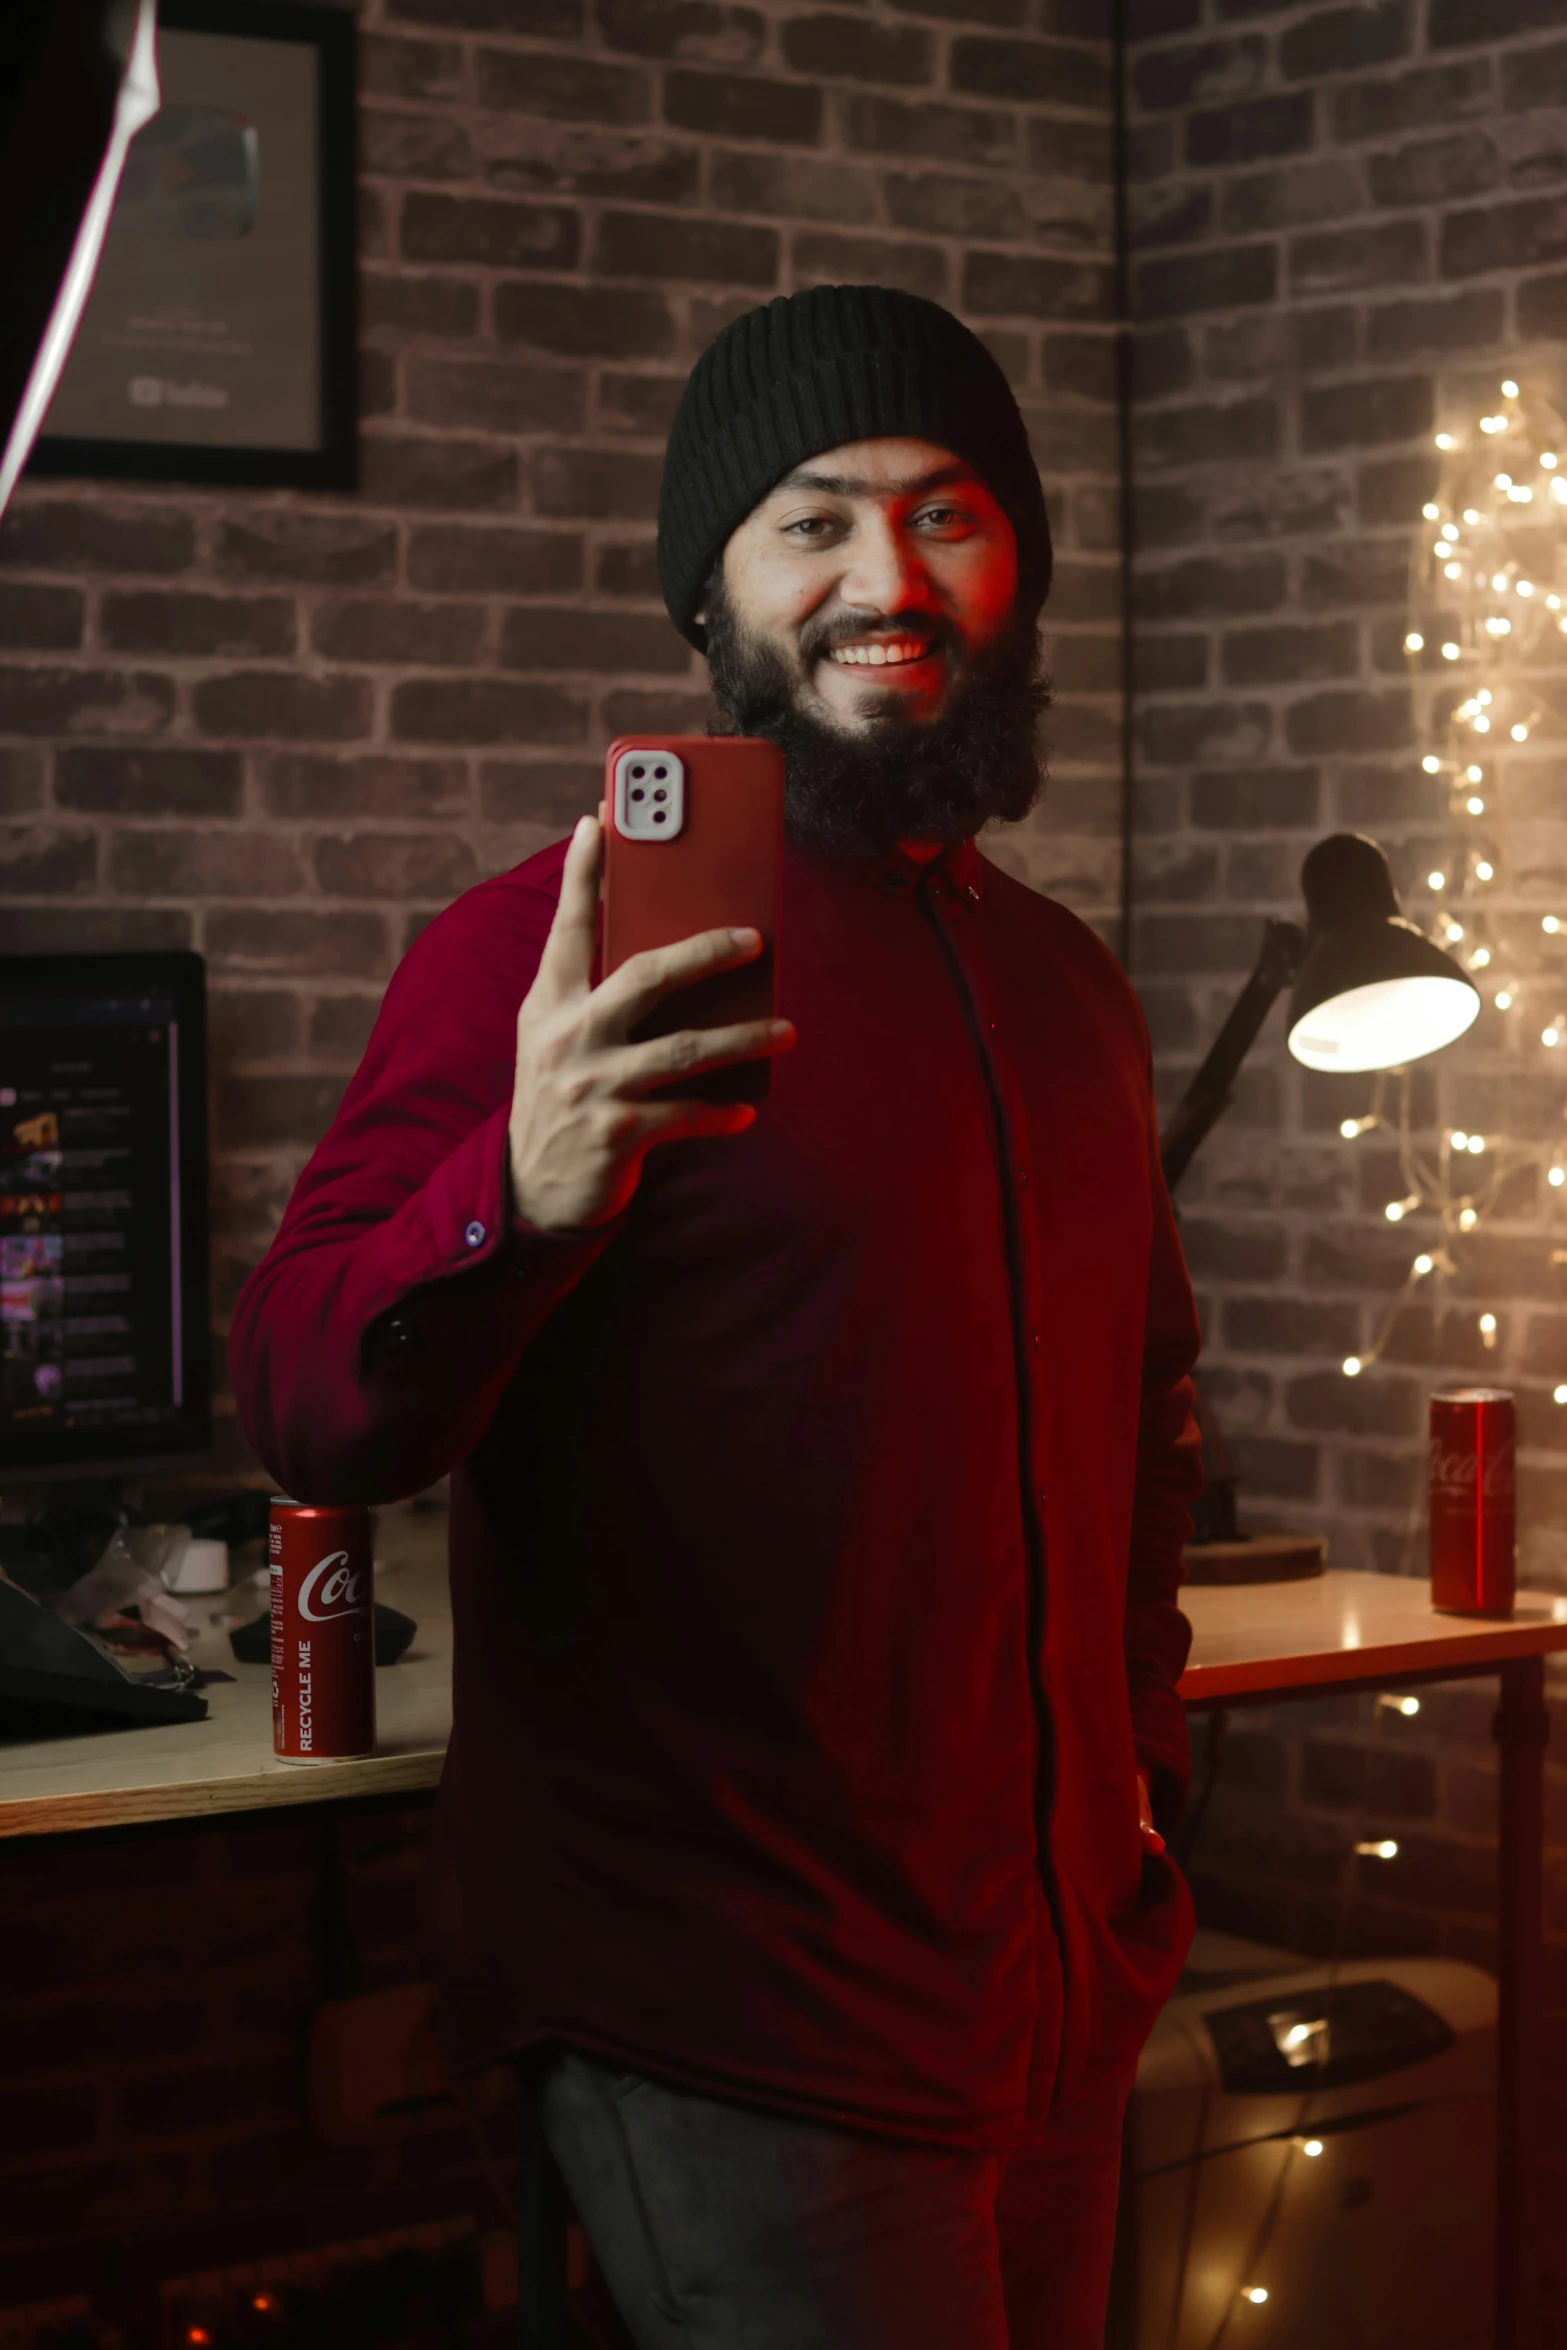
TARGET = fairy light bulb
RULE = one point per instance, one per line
(1488, 1330)
(1431, 513)
(1551, 1036)
(1423, 1265)
(1549, 459)
(1468, 1218)
(1311, 2148)
(1520, 733)
(1390, 1702)
(1484, 871)
(1431, 763)
(1378, 1848)
(1504, 999)
(1450, 651)
(1480, 960)
(1353, 1366)
(1475, 774)
(1509, 391)
(1556, 1175)
(1504, 481)
(1445, 440)
(1526, 587)
(1254, 2293)
(1482, 724)
(1436, 881)
(1449, 532)
(1550, 924)
(1397, 1209)
(1414, 642)
(1559, 1395)
(1475, 805)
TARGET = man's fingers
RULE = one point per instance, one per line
(657, 1122)
(567, 960)
(690, 1052)
(644, 980)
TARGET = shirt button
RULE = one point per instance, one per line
(972, 894)
(1035, 1339)
(474, 1236)
(1022, 1174)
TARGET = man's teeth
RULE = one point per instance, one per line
(879, 656)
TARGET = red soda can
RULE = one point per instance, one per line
(1474, 1446)
(323, 1632)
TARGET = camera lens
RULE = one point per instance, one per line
(639, 793)
(637, 773)
(659, 817)
(659, 774)
(661, 795)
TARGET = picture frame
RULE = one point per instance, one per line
(219, 343)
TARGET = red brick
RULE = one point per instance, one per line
(485, 710)
(398, 865)
(282, 703)
(321, 787)
(397, 631)
(744, 106)
(569, 89)
(224, 863)
(615, 641)
(151, 620)
(492, 230)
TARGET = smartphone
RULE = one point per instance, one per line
(694, 841)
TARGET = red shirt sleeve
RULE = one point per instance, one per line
(371, 1345)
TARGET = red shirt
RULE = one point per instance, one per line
(816, 1527)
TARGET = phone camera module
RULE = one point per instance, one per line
(639, 793)
(659, 817)
(659, 795)
(637, 774)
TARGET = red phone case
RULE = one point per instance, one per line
(723, 868)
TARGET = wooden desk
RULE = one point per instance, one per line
(1266, 1642)
(1251, 1645)
(199, 1770)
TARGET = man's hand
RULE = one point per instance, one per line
(1152, 1840)
(580, 1125)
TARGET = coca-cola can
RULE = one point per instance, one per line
(1474, 1447)
(323, 1632)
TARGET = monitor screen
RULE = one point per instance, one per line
(103, 1213)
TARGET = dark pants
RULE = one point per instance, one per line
(723, 2227)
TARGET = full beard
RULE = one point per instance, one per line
(858, 795)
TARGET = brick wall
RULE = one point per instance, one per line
(1348, 223)
(156, 1990)
(285, 729)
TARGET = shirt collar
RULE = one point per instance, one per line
(960, 866)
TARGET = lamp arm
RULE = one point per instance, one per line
(1208, 1095)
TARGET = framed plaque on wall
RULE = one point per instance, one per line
(219, 340)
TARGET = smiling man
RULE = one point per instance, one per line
(819, 1475)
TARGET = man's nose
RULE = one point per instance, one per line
(884, 573)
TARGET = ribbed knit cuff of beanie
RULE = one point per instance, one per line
(813, 371)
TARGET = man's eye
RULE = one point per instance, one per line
(941, 517)
(811, 526)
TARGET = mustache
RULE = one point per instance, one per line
(934, 630)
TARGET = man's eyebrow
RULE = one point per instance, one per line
(849, 485)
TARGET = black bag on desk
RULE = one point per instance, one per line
(54, 1681)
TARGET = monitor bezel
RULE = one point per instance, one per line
(84, 1453)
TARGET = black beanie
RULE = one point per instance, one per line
(810, 371)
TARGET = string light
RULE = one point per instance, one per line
(1559, 1395)
(1383, 1848)
(1254, 2293)
(1489, 598)
(1311, 2148)
(1398, 1704)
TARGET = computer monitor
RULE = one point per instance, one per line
(103, 1215)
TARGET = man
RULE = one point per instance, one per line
(819, 1473)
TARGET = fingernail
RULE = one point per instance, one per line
(746, 938)
(780, 1028)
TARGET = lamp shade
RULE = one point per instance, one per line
(1372, 991)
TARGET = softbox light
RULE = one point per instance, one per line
(78, 80)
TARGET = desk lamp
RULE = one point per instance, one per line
(1368, 991)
